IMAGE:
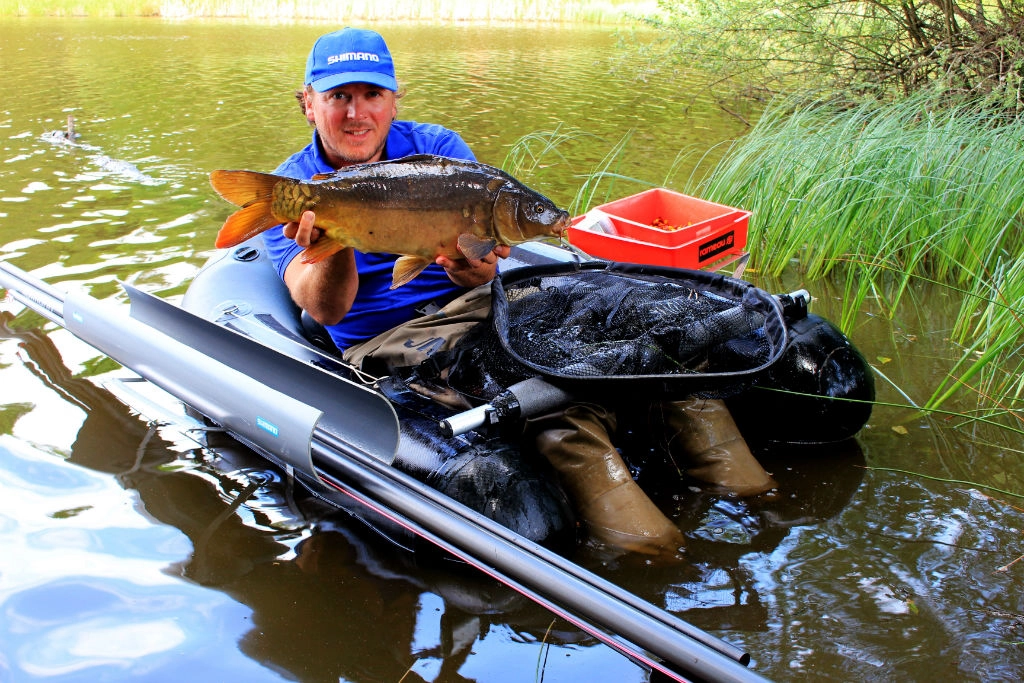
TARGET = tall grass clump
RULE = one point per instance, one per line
(902, 185)
(881, 194)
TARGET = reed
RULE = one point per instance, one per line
(541, 154)
(560, 11)
(899, 182)
(602, 178)
(532, 153)
(882, 195)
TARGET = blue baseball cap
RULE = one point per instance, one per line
(351, 55)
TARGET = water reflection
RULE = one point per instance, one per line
(276, 584)
(84, 594)
(719, 591)
(326, 597)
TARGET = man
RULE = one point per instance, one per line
(350, 98)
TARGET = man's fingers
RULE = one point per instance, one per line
(307, 219)
(304, 232)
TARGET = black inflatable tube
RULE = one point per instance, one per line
(543, 575)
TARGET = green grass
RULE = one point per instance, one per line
(880, 195)
(584, 11)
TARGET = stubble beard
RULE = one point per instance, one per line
(358, 156)
(362, 158)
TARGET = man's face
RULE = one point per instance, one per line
(353, 121)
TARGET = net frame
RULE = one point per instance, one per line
(732, 292)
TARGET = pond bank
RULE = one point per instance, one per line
(349, 11)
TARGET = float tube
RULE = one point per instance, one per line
(819, 390)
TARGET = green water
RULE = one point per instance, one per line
(121, 557)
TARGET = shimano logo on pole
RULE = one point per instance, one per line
(353, 57)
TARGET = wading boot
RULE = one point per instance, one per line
(615, 509)
(702, 439)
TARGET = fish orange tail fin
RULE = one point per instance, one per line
(243, 188)
(254, 192)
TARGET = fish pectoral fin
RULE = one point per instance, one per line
(474, 247)
(406, 268)
(320, 250)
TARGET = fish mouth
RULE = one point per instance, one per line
(562, 224)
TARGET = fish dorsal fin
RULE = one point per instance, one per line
(321, 249)
(322, 176)
(414, 158)
(406, 268)
(474, 247)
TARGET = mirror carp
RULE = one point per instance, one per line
(419, 207)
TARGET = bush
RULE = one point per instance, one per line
(878, 47)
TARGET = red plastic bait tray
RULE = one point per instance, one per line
(697, 233)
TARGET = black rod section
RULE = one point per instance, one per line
(543, 554)
(688, 649)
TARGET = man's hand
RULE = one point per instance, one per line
(324, 289)
(303, 232)
(472, 272)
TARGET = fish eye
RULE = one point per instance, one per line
(538, 208)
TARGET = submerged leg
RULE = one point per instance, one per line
(703, 439)
(615, 509)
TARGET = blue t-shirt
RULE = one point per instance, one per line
(377, 308)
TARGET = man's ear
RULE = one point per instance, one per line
(307, 98)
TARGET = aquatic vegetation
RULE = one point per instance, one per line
(881, 196)
(534, 154)
(531, 154)
(605, 170)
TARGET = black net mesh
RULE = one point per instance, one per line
(605, 326)
(598, 325)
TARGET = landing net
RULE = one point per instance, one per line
(605, 326)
